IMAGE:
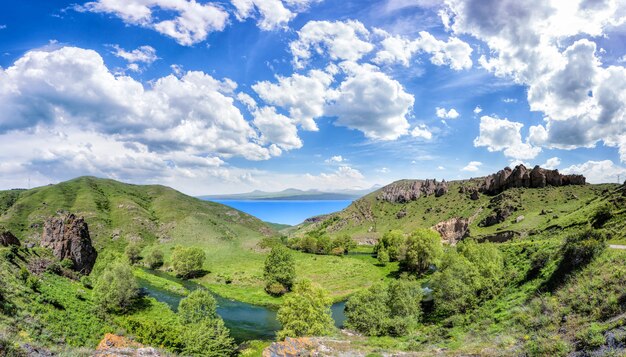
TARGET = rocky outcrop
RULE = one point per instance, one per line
(499, 237)
(410, 190)
(68, 237)
(503, 206)
(520, 176)
(117, 346)
(7, 238)
(296, 347)
(453, 230)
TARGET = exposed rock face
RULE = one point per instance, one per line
(117, 346)
(523, 177)
(453, 230)
(7, 238)
(503, 206)
(68, 237)
(406, 191)
(499, 237)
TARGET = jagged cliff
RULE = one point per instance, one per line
(520, 176)
(410, 190)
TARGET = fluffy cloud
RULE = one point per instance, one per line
(421, 131)
(443, 114)
(194, 113)
(502, 134)
(335, 159)
(371, 102)
(397, 49)
(598, 171)
(143, 54)
(552, 163)
(191, 22)
(548, 46)
(347, 40)
(272, 13)
(478, 109)
(304, 96)
(276, 128)
(472, 166)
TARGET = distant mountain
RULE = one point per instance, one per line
(293, 194)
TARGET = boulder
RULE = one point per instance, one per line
(114, 346)
(7, 238)
(453, 230)
(295, 347)
(68, 238)
(410, 190)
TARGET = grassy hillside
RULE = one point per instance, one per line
(368, 218)
(160, 217)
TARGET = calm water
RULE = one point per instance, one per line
(286, 211)
(245, 321)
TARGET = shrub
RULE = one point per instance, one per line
(601, 215)
(305, 312)
(133, 252)
(423, 249)
(196, 307)
(208, 338)
(116, 289)
(367, 311)
(383, 257)
(456, 284)
(591, 337)
(392, 242)
(345, 242)
(154, 259)
(187, 262)
(488, 261)
(67, 264)
(86, 281)
(279, 271)
(33, 283)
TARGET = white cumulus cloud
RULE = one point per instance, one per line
(472, 166)
(504, 135)
(446, 114)
(598, 171)
(271, 14)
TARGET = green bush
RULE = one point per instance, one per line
(422, 250)
(187, 262)
(391, 242)
(116, 289)
(208, 338)
(154, 259)
(345, 242)
(591, 337)
(305, 312)
(279, 271)
(601, 215)
(196, 307)
(67, 264)
(455, 284)
(489, 262)
(382, 257)
(133, 253)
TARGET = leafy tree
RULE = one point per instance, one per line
(196, 307)
(154, 259)
(208, 338)
(392, 242)
(305, 312)
(116, 289)
(455, 284)
(405, 297)
(279, 271)
(133, 252)
(308, 244)
(423, 249)
(204, 333)
(383, 257)
(187, 262)
(367, 311)
(344, 241)
(488, 261)
(324, 245)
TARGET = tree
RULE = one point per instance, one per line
(309, 244)
(116, 289)
(187, 262)
(154, 259)
(455, 284)
(344, 241)
(208, 338)
(405, 305)
(324, 245)
(488, 261)
(423, 249)
(196, 307)
(280, 271)
(383, 257)
(392, 242)
(133, 252)
(305, 312)
(205, 333)
(367, 311)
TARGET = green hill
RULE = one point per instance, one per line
(368, 218)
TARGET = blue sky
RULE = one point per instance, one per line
(222, 97)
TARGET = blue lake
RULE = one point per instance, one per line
(286, 211)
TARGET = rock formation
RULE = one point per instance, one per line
(294, 347)
(7, 238)
(520, 176)
(453, 230)
(68, 237)
(410, 190)
(114, 346)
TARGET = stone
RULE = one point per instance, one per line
(7, 238)
(114, 346)
(453, 230)
(68, 238)
(519, 219)
(293, 347)
(410, 190)
(520, 176)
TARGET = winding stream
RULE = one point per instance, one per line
(245, 321)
